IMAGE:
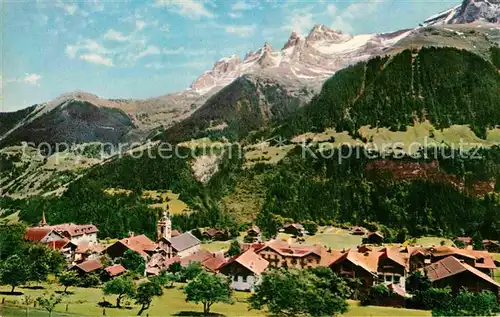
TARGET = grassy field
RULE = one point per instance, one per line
(83, 302)
(433, 241)
(175, 205)
(334, 238)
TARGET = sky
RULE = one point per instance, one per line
(141, 49)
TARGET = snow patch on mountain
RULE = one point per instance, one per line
(310, 59)
(469, 11)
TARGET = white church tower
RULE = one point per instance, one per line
(164, 226)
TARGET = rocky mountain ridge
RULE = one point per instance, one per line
(468, 12)
(310, 59)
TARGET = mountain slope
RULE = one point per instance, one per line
(443, 85)
(73, 122)
(248, 103)
(469, 11)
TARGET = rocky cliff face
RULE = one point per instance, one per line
(468, 12)
(309, 59)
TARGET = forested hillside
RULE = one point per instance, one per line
(8, 120)
(73, 122)
(443, 85)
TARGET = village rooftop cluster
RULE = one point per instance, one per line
(373, 263)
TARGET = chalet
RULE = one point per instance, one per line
(77, 233)
(420, 257)
(113, 271)
(465, 240)
(392, 267)
(253, 231)
(245, 270)
(358, 231)
(385, 266)
(376, 237)
(182, 245)
(90, 266)
(457, 274)
(88, 251)
(492, 246)
(280, 254)
(140, 244)
(295, 229)
(362, 266)
(211, 262)
(215, 234)
(66, 247)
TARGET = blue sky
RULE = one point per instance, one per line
(139, 49)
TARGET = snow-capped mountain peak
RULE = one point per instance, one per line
(313, 58)
(468, 12)
(322, 33)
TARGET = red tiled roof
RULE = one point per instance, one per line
(254, 228)
(115, 270)
(377, 233)
(58, 244)
(287, 250)
(250, 260)
(297, 226)
(84, 247)
(37, 233)
(139, 243)
(397, 289)
(213, 262)
(89, 266)
(74, 230)
(451, 266)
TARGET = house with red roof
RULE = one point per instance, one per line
(374, 266)
(245, 270)
(89, 266)
(281, 254)
(113, 271)
(86, 233)
(140, 244)
(456, 274)
(42, 235)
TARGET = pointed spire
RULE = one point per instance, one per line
(43, 223)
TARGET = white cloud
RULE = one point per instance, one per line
(87, 45)
(301, 21)
(150, 50)
(242, 30)
(113, 35)
(354, 12)
(97, 59)
(32, 79)
(69, 8)
(241, 5)
(235, 15)
(187, 52)
(155, 66)
(188, 8)
(139, 25)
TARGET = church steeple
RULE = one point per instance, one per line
(164, 226)
(43, 223)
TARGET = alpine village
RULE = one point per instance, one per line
(353, 175)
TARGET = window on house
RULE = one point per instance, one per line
(397, 279)
(381, 277)
(388, 278)
(244, 279)
(235, 278)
